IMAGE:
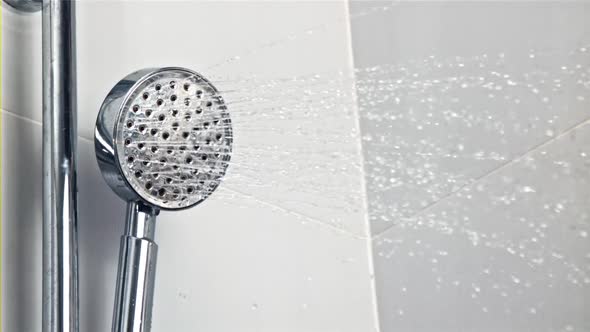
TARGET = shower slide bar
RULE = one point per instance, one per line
(60, 234)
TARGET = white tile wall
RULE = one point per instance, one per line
(475, 124)
(470, 86)
(509, 253)
(269, 251)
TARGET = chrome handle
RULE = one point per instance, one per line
(137, 271)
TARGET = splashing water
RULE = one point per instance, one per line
(439, 135)
(414, 120)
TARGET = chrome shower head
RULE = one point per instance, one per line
(163, 140)
(163, 136)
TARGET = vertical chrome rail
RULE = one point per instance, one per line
(60, 244)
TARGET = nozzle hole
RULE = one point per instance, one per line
(159, 102)
(161, 192)
(174, 112)
(142, 128)
(209, 104)
(148, 113)
(127, 141)
(187, 101)
(172, 84)
(129, 124)
(190, 190)
(186, 86)
(148, 185)
(140, 146)
(175, 126)
(154, 131)
(168, 180)
(154, 149)
(161, 117)
(189, 160)
(130, 159)
(165, 135)
(135, 108)
(185, 134)
(146, 95)
(173, 98)
(158, 87)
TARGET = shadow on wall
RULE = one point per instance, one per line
(21, 225)
(22, 189)
(101, 222)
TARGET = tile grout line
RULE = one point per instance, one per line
(490, 173)
(363, 171)
(35, 122)
(298, 214)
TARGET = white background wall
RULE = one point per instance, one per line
(476, 140)
(281, 246)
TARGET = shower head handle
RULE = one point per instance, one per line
(137, 270)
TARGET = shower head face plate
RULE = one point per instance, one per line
(173, 138)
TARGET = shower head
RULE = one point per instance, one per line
(163, 136)
(163, 140)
